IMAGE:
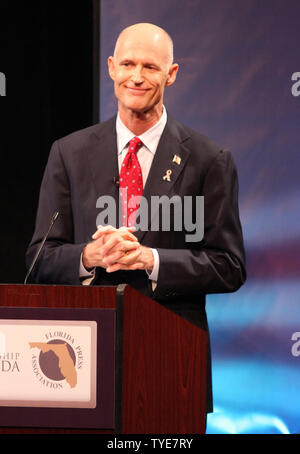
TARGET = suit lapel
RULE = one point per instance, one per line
(171, 144)
(103, 162)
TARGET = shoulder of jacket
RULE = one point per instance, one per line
(82, 137)
(197, 142)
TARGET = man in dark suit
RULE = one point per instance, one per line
(166, 265)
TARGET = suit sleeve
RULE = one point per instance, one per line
(217, 263)
(59, 259)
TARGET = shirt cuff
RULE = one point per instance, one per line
(85, 276)
(153, 275)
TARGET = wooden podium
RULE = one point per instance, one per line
(159, 363)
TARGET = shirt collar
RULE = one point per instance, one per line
(150, 138)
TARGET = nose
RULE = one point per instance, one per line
(137, 76)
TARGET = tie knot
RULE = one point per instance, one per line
(134, 144)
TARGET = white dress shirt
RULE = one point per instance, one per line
(145, 155)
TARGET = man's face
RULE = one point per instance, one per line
(141, 69)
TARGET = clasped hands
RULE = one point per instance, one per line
(116, 249)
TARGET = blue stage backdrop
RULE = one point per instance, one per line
(238, 84)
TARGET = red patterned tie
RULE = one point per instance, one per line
(131, 183)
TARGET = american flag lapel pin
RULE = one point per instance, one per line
(177, 159)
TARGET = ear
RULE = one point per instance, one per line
(172, 74)
(111, 67)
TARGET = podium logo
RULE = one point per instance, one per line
(9, 362)
(57, 361)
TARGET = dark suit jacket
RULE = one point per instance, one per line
(82, 167)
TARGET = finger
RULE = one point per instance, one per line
(119, 266)
(136, 266)
(117, 241)
(127, 234)
(113, 268)
(129, 229)
(113, 258)
(127, 246)
(103, 229)
(106, 227)
(122, 251)
(130, 258)
(125, 231)
(124, 260)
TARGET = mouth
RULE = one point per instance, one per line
(137, 91)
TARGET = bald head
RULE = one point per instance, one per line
(145, 33)
(141, 68)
